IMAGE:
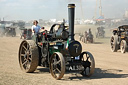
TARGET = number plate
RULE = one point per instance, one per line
(75, 67)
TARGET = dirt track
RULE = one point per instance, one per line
(111, 68)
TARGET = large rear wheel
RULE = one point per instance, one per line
(28, 56)
(114, 44)
(57, 65)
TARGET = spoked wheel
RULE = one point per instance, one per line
(96, 35)
(85, 40)
(57, 65)
(114, 45)
(28, 56)
(82, 39)
(91, 40)
(88, 64)
(123, 46)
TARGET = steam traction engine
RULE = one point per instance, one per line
(119, 39)
(57, 50)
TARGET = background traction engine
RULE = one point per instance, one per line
(119, 39)
(57, 50)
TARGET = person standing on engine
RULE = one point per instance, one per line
(35, 28)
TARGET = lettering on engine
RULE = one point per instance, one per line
(75, 68)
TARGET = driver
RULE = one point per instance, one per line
(89, 31)
(35, 28)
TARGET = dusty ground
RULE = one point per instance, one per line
(111, 68)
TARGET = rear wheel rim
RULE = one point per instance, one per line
(25, 56)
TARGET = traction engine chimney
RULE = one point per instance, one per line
(71, 14)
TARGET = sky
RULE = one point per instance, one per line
(57, 9)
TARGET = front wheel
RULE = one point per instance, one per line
(91, 40)
(123, 46)
(96, 35)
(85, 40)
(57, 65)
(88, 64)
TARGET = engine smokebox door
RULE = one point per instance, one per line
(74, 48)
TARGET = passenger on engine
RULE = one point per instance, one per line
(89, 33)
